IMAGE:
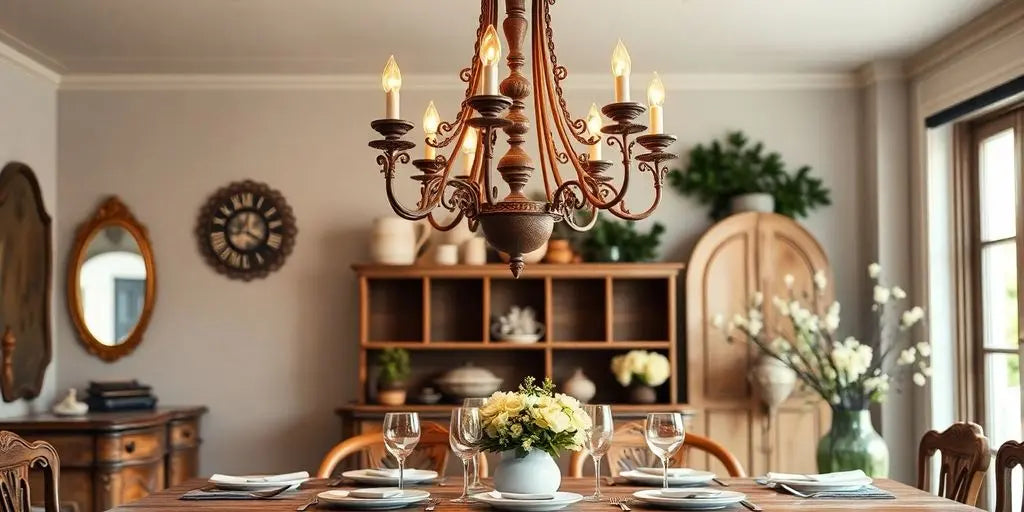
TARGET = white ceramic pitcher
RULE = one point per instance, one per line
(395, 240)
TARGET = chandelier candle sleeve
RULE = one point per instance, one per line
(656, 100)
(594, 129)
(490, 54)
(620, 70)
(431, 120)
(392, 82)
(469, 149)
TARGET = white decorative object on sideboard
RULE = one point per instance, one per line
(395, 241)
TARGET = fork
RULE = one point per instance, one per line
(621, 503)
(431, 505)
(268, 493)
(799, 494)
(305, 506)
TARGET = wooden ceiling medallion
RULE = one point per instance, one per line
(246, 230)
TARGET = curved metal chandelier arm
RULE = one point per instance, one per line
(428, 199)
(566, 203)
(658, 173)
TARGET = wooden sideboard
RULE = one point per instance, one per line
(111, 458)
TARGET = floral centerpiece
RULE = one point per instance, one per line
(528, 428)
(642, 370)
(849, 373)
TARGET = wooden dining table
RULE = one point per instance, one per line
(908, 499)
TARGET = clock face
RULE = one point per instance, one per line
(246, 230)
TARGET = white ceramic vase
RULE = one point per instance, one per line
(536, 473)
(579, 386)
(773, 381)
(752, 203)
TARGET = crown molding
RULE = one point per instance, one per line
(28, 64)
(880, 71)
(1007, 16)
(437, 82)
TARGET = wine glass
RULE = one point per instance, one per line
(664, 434)
(476, 484)
(464, 435)
(401, 434)
(599, 440)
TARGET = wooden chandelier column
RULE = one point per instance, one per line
(516, 166)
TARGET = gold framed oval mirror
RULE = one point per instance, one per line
(111, 281)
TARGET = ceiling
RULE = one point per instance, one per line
(356, 36)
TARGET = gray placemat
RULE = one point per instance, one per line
(868, 492)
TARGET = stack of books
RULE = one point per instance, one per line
(124, 395)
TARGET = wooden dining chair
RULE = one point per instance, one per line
(1010, 455)
(17, 457)
(629, 449)
(965, 458)
(431, 452)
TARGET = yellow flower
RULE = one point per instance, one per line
(514, 404)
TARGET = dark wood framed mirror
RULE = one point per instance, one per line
(26, 256)
(111, 281)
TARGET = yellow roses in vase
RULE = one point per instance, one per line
(535, 417)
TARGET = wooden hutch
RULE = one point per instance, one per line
(443, 314)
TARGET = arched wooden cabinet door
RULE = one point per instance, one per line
(740, 255)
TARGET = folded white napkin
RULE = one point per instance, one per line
(690, 493)
(671, 471)
(261, 479)
(838, 476)
(383, 472)
(380, 493)
(521, 496)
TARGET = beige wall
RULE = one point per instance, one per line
(272, 358)
(28, 134)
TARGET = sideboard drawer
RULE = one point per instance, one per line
(182, 465)
(184, 433)
(74, 450)
(132, 445)
(129, 483)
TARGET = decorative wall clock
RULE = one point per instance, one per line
(246, 230)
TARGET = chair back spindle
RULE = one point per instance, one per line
(17, 457)
(964, 460)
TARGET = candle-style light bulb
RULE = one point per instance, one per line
(621, 67)
(391, 79)
(469, 148)
(431, 120)
(655, 100)
(594, 130)
(490, 54)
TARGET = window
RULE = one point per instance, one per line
(992, 164)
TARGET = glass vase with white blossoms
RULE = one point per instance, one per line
(848, 373)
(529, 428)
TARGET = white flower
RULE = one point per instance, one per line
(754, 326)
(820, 281)
(832, 317)
(926, 370)
(874, 270)
(780, 345)
(911, 317)
(898, 293)
(788, 280)
(924, 348)
(657, 370)
(907, 356)
(919, 379)
(718, 321)
(881, 295)
(758, 299)
(739, 320)
(781, 306)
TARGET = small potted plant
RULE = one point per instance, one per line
(393, 364)
(641, 371)
(733, 176)
(611, 241)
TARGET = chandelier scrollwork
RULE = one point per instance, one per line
(515, 224)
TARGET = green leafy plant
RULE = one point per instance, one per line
(394, 368)
(724, 169)
(631, 244)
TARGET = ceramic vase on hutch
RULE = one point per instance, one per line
(395, 240)
(579, 386)
(852, 443)
(754, 202)
(534, 473)
(559, 251)
(642, 394)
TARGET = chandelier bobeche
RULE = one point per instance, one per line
(516, 224)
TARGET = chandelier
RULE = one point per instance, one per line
(515, 224)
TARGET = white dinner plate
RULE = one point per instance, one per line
(813, 486)
(675, 477)
(257, 486)
(341, 499)
(721, 499)
(558, 502)
(412, 476)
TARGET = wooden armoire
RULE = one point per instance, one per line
(743, 254)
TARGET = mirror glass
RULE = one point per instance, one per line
(112, 285)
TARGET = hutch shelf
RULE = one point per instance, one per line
(443, 315)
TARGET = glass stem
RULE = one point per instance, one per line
(401, 473)
(597, 476)
(664, 474)
(465, 478)
(474, 472)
